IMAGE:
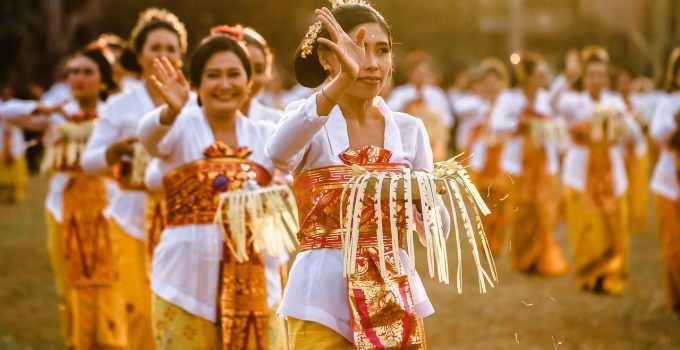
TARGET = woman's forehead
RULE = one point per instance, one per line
(374, 33)
(223, 59)
(80, 61)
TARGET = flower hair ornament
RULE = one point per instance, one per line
(99, 45)
(235, 32)
(314, 30)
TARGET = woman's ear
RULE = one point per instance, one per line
(324, 60)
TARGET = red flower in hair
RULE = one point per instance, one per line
(235, 32)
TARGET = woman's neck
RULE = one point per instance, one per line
(246, 107)
(88, 103)
(221, 122)
(355, 109)
(595, 95)
(530, 92)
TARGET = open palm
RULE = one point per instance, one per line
(171, 83)
(351, 54)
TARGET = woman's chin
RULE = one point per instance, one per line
(224, 108)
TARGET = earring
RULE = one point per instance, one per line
(327, 68)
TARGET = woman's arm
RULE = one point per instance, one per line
(156, 125)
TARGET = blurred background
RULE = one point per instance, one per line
(36, 34)
(523, 311)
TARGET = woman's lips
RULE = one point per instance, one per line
(370, 80)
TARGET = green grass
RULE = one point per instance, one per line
(522, 312)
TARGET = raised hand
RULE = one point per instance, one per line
(351, 54)
(171, 83)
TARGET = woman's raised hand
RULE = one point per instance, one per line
(171, 83)
(351, 54)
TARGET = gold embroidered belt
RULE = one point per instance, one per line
(192, 194)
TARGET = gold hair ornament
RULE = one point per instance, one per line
(315, 29)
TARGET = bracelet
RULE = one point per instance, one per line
(328, 98)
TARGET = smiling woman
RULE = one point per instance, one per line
(197, 275)
(349, 54)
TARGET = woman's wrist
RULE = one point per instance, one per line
(168, 116)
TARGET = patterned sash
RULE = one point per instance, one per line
(381, 305)
(192, 194)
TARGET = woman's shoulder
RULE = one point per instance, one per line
(407, 122)
(260, 111)
(260, 127)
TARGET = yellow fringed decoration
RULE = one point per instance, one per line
(269, 213)
(140, 161)
(449, 178)
(70, 141)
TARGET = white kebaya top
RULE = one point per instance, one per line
(316, 289)
(664, 125)
(186, 262)
(509, 107)
(578, 107)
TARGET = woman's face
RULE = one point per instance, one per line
(160, 42)
(541, 74)
(624, 83)
(595, 77)
(376, 69)
(224, 84)
(490, 86)
(262, 72)
(422, 74)
(84, 78)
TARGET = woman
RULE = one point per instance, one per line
(262, 59)
(78, 244)
(666, 180)
(349, 51)
(594, 176)
(113, 145)
(420, 97)
(530, 153)
(637, 153)
(198, 285)
(485, 147)
(13, 165)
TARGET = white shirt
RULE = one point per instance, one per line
(578, 107)
(505, 119)
(316, 289)
(471, 111)
(118, 121)
(186, 262)
(664, 179)
(57, 94)
(434, 97)
(258, 111)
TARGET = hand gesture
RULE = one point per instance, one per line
(351, 54)
(119, 149)
(171, 83)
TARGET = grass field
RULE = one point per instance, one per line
(522, 312)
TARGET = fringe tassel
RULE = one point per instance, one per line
(449, 178)
(269, 213)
